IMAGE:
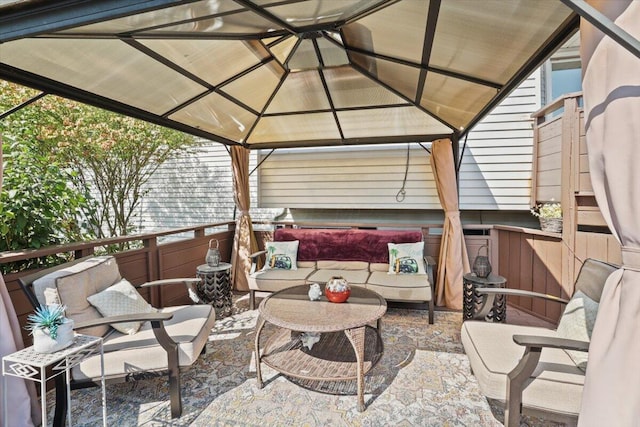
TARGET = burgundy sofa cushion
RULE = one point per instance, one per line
(345, 245)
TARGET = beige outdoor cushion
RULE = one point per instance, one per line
(49, 281)
(400, 287)
(190, 327)
(276, 279)
(306, 264)
(379, 266)
(557, 382)
(88, 279)
(422, 294)
(383, 278)
(342, 265)
(354, 277)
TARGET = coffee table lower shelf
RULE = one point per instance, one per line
(331, 365)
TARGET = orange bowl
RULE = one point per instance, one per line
(337, 296)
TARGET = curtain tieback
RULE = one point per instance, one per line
(452, 214)
(631, 258)
(243, 213)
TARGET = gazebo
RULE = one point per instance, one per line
(267, 74)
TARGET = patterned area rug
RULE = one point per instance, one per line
(423, 379)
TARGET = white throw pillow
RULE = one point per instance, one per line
(406, 258)
(282, 255)
(119, 299)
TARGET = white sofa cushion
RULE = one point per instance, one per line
(400, 287)
(390, 293)
(556, 383)
(381, 278)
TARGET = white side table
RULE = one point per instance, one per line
(32, 366)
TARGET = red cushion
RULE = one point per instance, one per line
(345, 245)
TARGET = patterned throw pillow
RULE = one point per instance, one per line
(119, 299)
(282, 255)
(406, 258)
(577, 323)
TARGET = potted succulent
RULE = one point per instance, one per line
(51, 330)
(550, 216)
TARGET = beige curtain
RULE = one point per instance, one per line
(244, 240)
(453, 261)
(22, 401)
(611, 84)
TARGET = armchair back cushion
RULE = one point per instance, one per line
(48, 281)
(592, 277)
(76, 283)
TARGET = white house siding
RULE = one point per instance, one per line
(496, 168)
(343, 182)
(348, 178)
(194, 189)
(495, 172)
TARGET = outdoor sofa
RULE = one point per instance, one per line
(299, 256)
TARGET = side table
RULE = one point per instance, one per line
(215, 288)
(28, 364)
(495, 306)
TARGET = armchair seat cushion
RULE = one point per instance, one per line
(190, 327)
(556, 384)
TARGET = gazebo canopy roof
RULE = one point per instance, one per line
(283, 73)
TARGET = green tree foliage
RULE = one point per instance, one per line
(38, 204)
(117, 155)
(112, 155)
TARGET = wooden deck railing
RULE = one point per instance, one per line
(177, 257)
(529, 259)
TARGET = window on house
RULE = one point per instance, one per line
(566, 77)
(563, 72)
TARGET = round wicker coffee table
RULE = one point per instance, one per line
(348, 347)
